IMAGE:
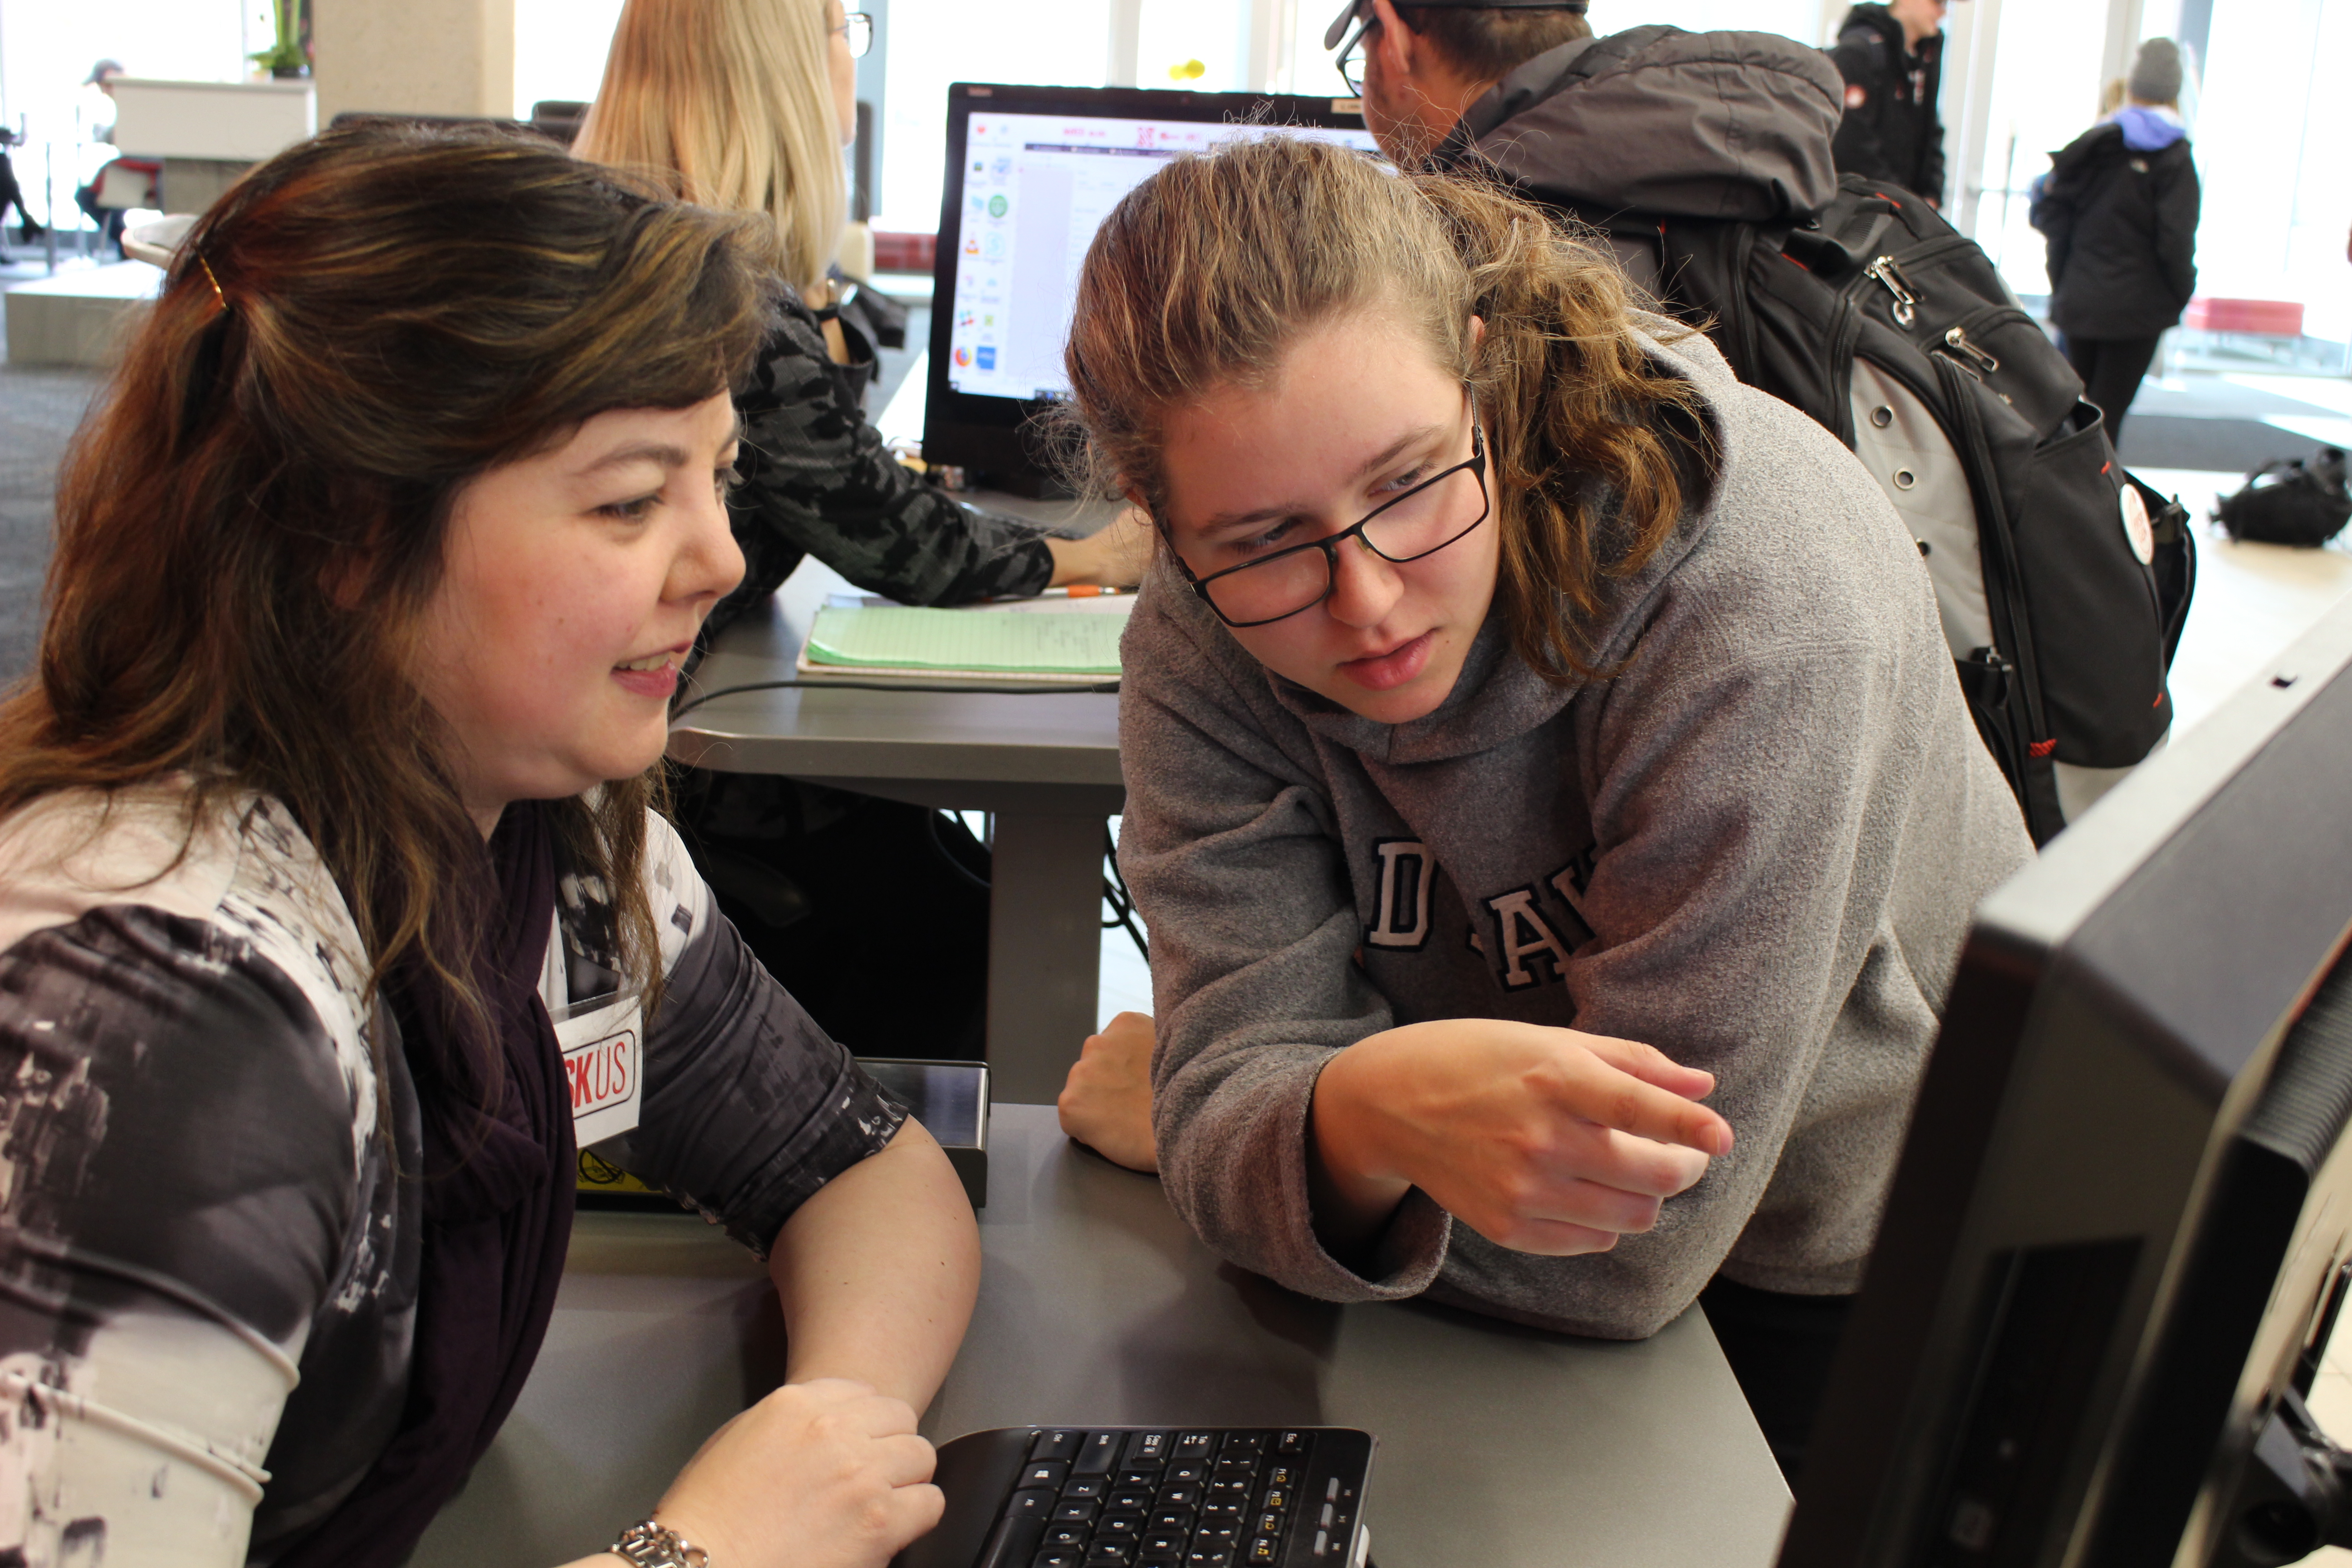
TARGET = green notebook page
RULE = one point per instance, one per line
(903, 639)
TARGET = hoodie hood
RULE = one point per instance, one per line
(1733, 126)
(1496, 698)
(2147, 130)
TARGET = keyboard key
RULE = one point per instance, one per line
(1180, 1497)
(1159, 1559)
(1145, 1479)
(1146, 1450)
(1269, 1524)
(1029, 1503)
(1062, 1559)
(1283, 1476)
(1276, 1501)
(1195, 1445)
(1245, 1443)
(1056, 1442)
(1265, 1548)
(1209, 1557)
(1118, 1553)
(1216, 1533)
(1169, 1541)
(1178, 1520)
(1237, 1465)
(1231, 1507)
(1136, 1499)
(1085, 1486)
(1097, 1454)
(1292, 1443)
(1184, 1471)
(1048, 1473)
(1059, 1537)
(1119, 1526)
(1077, 1511)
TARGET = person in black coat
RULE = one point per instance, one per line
(1892, 57)
(2119, 210)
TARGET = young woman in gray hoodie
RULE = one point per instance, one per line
(1531, 733)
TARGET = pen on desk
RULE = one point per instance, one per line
(1084, 591)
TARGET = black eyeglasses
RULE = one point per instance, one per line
(858, 28)
(1350, 64)
(1422, 522)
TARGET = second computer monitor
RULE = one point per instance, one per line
(1031, 173)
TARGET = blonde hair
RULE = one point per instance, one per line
(2111, 97)
(734, 98)
(1207, 272)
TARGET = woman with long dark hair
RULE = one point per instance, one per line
(335, 907)
(1529, 734)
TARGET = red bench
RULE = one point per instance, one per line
(2256, 318)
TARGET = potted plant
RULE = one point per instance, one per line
(286, 57)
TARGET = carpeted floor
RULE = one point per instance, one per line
(38, 411)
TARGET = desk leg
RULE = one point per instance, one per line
(1044, 949)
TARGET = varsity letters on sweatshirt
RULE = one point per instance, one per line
(1756, 846)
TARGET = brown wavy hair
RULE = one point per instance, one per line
(1205, 274)
(251, 519)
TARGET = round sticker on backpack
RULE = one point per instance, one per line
(2136, 529)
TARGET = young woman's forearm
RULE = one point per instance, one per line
(877, 1272)
(1348, 1175)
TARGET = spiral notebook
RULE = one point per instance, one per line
(1050, 647)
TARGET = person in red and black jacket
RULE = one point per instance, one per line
(1892, 57)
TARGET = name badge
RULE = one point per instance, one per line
(604, 1062)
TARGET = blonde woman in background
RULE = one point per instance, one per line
(747, 104)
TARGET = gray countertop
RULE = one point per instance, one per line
(1500, 1446)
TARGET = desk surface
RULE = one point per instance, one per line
(1500, 1446)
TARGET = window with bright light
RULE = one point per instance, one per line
(47, 51)
(1059, 43)
(560, 46)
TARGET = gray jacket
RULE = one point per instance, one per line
(1711, 125)
(1757, 846)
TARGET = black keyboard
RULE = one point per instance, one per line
(1134, 1497)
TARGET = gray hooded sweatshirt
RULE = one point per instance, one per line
(1755, 847)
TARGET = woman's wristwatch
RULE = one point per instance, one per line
(838, 293)
(648, 1545)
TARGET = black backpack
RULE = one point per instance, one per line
(2063, 582)
(2290, 502)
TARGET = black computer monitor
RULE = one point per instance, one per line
(1031, 173)
(2118, 1234)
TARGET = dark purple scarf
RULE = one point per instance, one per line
(498, 1199)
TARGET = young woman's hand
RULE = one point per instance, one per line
(1542, 1140)
(823, 1474)
(1106, 1103)
(1113, 556)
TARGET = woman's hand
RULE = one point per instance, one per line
(1106, 1103)
(827, 1474)
(1113, 556)
(1542, 1140)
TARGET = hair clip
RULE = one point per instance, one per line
(211, 277)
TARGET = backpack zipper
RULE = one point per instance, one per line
(1972, 360)
(1884, 271)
